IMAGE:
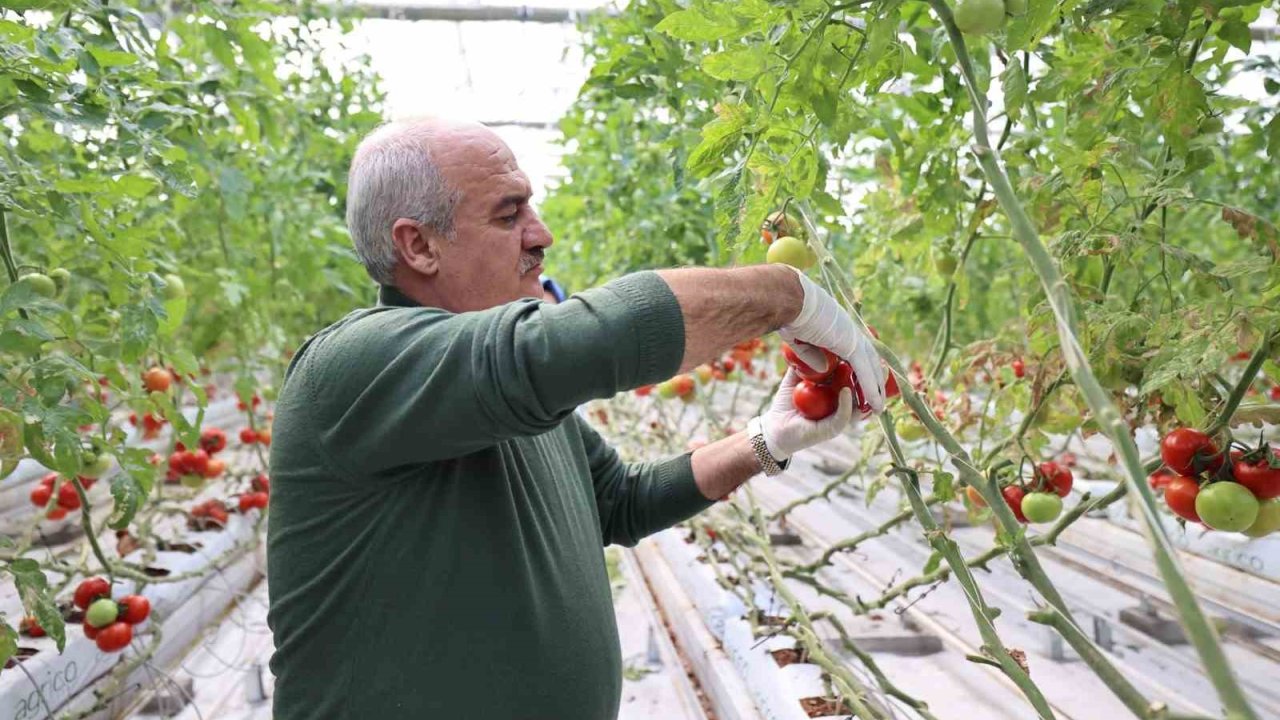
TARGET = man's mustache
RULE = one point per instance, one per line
(530, 260)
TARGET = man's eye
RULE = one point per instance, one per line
(510, 218)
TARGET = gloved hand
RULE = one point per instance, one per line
(824, 323)
(787, 432)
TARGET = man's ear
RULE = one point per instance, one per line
(418, 247)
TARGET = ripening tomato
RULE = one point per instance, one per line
(1013, 496)
(134, 609)
(115, 637)
(215, 468)
(1180, 495)
(1261, 473)
(682, 384)
(157, 379)
(975, 497)
(815, 401)
(89, 590)
(806, 372)
(1189, 452)
(1057, 477)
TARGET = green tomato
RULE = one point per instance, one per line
(1211, 125)
(61, 278)
(102, 612)
(1041, 507)
(979, 17)
(94, 465)
(1268, 520)
(1015, 7)
(1227, 506)
(944, 262)
(908, 429)
(41, 284)
(173, 288)
(191, 481)
(791, 251)
(666, 389)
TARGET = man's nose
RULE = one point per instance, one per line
(536, 235)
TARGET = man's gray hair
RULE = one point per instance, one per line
(393, 176)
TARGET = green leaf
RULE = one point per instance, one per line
(37, 598)
(8, 643)
(1237, 33)
(741, 64)
(108, 58)
(696, 26)
(1014, 83)
(933, 563)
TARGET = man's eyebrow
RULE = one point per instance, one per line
(518, 198)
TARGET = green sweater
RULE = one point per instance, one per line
(438, 509)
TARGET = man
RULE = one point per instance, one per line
(438, 509)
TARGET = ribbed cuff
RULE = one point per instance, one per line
(658, 324)
(681, 498)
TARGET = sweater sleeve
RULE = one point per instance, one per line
(400, 386)
(638, 499)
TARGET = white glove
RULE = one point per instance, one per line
(824, 323)
(787, 432)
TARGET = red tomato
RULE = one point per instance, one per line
(40, 496)
(815, 401)
(48, 480)
(248, 436)
(218, 514)
(1261, 476)
(56, 513)
(1161, 478)
(89, 590)
(90, 631)
(264, 435)
(1057, 477)
(644, 391)
(1274, 393)
(728, 364)
(247, 502)
(261, 483)
(891, 387)
(115, 637)
(134, 609)
(68, 499)
(1180, 495)
(1019, 368)
(31, 627)
(1013, 498)
(808, 373)
(212, 440)
(1189, 452)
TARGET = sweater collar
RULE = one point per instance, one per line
(389, 296)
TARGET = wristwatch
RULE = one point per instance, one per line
(768, 463)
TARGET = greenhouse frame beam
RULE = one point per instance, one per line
(450, 12)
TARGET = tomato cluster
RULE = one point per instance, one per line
(817, 395)
(151, 424)
(67, 497)
(108, 622)
(1039, 501)
(209, 515)
(249, 436)
(1232, 492)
